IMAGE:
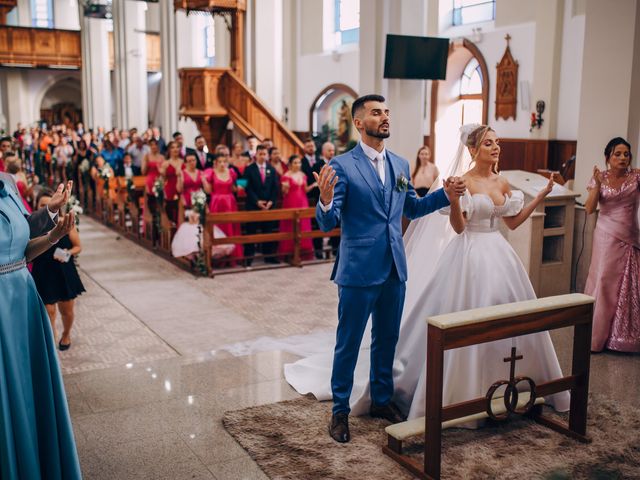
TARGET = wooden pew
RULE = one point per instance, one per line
(472, 327)
(292, 214)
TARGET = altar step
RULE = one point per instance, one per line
(411, 428)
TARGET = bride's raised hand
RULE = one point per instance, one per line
(547, 189)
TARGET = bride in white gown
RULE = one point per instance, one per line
(451, 272)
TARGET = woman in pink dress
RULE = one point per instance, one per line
(294, 195)
(223, 186)
(171, 170)
(193, 180)
(614, 273)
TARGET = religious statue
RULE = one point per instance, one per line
(344, 124)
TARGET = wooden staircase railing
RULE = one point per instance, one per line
(212, 96)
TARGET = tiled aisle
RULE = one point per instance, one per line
(148, 383)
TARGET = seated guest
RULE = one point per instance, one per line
(222, 180)
(614, 273)
(194, 180)
(57, 278)
(262, 195)
(171, 170)
(425, 172)
(294, 195)
(201, 152)
(277, 162)
(126, 168)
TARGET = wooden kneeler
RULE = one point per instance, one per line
(481, 325)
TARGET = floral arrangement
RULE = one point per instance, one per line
(199, 204)
(158, 189)
(73, 205)
(402, 184)
(105, 174)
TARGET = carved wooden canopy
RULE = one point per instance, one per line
(507, 85)
(5, 7)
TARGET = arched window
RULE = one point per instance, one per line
(473, 11)
(347, 21)
(471, 92)
(42, 13)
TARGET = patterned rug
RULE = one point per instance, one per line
(289, 440)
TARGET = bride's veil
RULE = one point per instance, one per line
(427, 237)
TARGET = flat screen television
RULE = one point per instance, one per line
(417, 58)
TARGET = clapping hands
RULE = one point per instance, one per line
(61, 197)
(597, 175)
(454, 188)
(62, 228)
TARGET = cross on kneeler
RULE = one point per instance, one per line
(513, 358)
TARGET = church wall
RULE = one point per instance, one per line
(66, 14)
(570, 73)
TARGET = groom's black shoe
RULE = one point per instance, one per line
(339, 427)
(388, 412)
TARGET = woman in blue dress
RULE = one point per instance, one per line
(36, 438)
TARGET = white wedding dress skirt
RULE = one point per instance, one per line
(478, 268)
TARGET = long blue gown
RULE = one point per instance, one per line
(36, 438)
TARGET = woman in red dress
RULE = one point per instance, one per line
(223, 185)
(171, 170)
(194, 180)
(294, 195)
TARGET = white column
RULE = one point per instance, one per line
(605, 98)
(130, 60)
(96, 77)
(17, 93)
(292, 30)
(64, 14)
(223, 42)
(269, 53)
(405, 98)
(546, 76)
(24, 13)
(169, 82)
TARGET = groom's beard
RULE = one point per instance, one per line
(378, 133)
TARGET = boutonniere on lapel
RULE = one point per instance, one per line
(402, 184)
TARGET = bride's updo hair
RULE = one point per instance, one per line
(474, 140)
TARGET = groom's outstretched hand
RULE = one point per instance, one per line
(326, 181)
(455, 187)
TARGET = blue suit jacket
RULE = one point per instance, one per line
(371, 236)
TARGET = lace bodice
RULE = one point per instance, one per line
(482, 213)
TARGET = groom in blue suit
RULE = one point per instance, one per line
(366, 191)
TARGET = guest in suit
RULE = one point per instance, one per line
(204, 158)
(179, 139)
(253, 143)
(327, 153)
(267, 142)
(162, 144)
(262, 194)
(309, 159)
